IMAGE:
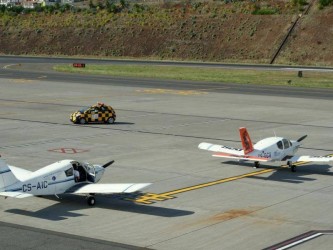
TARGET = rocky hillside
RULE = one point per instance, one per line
(239, 31)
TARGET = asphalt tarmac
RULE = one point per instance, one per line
(41, 68)
(195, 201)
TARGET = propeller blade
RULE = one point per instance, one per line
(107, 164)
(302, 138)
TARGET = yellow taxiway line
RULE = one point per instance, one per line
(149, 198)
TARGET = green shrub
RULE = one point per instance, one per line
(325, 2)
(265, 11)
(299, 2)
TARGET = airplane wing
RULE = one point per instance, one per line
(230, 153)
(220, 148)
(15, 194)
(312, 158)
(107, 188)
(242, 157)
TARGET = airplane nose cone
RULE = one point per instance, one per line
(99, 171)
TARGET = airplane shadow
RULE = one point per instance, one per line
(285, 175)
(66, 206)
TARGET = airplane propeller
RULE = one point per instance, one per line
(302, 138)
(107, 164)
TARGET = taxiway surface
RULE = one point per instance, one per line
(155, 140)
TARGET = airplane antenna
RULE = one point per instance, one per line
(274, 133)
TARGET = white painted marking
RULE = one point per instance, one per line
(300, 241)
(9, 65)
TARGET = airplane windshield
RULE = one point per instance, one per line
(89, 168)
(286, 143)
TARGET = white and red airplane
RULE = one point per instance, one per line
(267, 150)
(66, 176)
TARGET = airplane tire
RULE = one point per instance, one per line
(256, 164)
(293, 168)
(91, 201)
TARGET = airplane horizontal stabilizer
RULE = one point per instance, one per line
(108, 188)
(15, 194)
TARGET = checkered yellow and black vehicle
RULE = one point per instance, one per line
(99, 113)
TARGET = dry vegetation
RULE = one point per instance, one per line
(242, 31)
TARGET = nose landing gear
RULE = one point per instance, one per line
(292, 167)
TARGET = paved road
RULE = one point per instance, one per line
(53, 60)
(155, 140)
(39, 68)
(17, 237)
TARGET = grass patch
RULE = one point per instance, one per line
(265, 12)
(263, 77)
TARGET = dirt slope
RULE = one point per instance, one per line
(208, 32)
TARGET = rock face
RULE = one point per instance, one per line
(206, 32)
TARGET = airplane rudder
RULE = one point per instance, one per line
(246, 140)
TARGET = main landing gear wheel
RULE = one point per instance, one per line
(256, 164)
(292, 167)
(91, 200)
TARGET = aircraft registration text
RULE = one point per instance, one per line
(40, 185)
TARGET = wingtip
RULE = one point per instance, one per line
(204, 145)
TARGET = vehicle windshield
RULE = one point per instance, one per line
(84, 109)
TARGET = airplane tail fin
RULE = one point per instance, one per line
(6, 176)
(246, 140)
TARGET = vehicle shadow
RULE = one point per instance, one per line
(68, 206)
(92, 124)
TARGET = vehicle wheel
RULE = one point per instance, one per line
(91, 200)
(82, 121)
(110, 120)
(293, 168)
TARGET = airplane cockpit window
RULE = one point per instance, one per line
(285, 143)
(90, 169)
(69, 172)
(280, 145)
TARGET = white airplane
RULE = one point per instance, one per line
(66, 176)
(267, 150)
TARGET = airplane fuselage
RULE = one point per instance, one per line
(275, 148)
(52, 179)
